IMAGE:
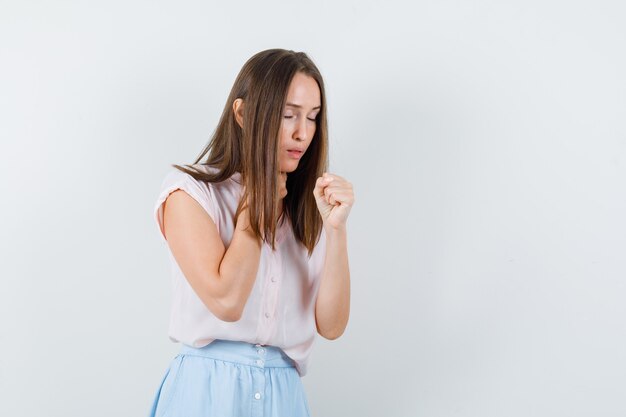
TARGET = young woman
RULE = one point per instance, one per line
(257, 240)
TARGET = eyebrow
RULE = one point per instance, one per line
(299, 106)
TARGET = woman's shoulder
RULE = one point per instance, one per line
(198, 180)
(201, 174)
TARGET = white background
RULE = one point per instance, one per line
(486, 141)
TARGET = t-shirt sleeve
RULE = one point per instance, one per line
(198, 190)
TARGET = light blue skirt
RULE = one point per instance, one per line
(234, 379)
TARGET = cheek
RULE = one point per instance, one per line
(284, 135)
(311, 134)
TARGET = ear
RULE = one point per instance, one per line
(238, 110)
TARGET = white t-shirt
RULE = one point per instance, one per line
(281, 308)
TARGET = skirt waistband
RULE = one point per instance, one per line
(251, 354)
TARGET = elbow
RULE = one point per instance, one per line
(331, 333)
(229, 313)
(225, 310)
(225, 306)
(331, 329)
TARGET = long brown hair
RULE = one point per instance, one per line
(263, 83)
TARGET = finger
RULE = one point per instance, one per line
(333, 176)
(337, 181)
(320, 186)
(337, 187)
(342, 197)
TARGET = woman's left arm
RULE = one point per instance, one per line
(334, 197)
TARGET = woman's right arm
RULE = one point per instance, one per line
(223, 279)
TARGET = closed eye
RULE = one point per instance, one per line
(308, 118)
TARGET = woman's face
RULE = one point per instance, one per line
(298, 123)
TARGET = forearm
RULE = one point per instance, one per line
(238, 269)
(332, 308)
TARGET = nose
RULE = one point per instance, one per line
(301, 131)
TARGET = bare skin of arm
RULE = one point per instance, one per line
(223, 279)
(335, 197)
(332, 308)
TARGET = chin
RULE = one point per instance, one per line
(289, 167)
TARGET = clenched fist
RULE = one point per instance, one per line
(334, 197)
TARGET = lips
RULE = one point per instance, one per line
(295, 153)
